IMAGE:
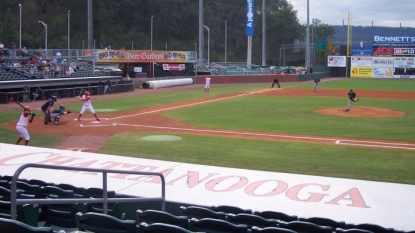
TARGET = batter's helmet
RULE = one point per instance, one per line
(87, 93)
(26, 108)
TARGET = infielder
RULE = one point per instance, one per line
(86, 98)
(352, 98)
(22, 124)
(207, 84)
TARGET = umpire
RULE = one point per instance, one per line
(46, 109)
(275, 81)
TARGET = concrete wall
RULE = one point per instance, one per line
(222, 79)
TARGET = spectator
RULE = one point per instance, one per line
(36, 93)
(59, 56)
(12, 49)
(24, 52)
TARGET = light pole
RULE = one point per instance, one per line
(208, 30)
(69, 13)
(226, 37)
(46, 35)
(151, 45)
(20, 34)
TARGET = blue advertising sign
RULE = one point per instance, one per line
(397, 41)
(250, 17)
(365, 50)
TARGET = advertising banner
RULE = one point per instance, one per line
(361, 72)
(395, 41)
(336, 61)
(174, 67)
(362, 61)
(383, 62)
(403, 62)
(382, 51)
(365, 50)
(382, 72)
(404, 51)
(250, 17)
(142, 56)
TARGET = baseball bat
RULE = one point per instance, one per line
(17, 102)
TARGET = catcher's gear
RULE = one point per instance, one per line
(57, 118)
(86, 93)
(68, 112)
(62, 107)
(54, 98)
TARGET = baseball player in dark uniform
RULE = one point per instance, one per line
(46, 109)
(57, 113)
(275, 82)
(316, 84)
(352, 98)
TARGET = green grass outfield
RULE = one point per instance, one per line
(275, 115)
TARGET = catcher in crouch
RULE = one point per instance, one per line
(57, 113)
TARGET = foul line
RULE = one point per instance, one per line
(335, 141)
(189, 105)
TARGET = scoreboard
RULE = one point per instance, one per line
(404, 51)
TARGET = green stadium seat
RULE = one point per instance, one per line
(305, 227)
(156, 216)
(251, 220)
(215, 226)
(325, 222)
(201, 212)
(102, 223)
(160, 227)
(271, 230)
(277, 215)
(7, 225)
(231, 209)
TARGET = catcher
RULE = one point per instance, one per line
(352, 98)
(57, 113)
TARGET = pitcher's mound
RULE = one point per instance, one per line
(361, 112)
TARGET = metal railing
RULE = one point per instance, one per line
(105, 200)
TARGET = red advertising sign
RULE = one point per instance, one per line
(174, 67)
(382, 51)
(404, 51)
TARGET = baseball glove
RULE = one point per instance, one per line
(68, 112)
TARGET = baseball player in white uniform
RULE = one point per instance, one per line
(22, 124)
(86, 98)
(207, 84)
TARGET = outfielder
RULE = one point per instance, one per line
(352, 98)
(207, 84)
(22, 124)
(86, 98)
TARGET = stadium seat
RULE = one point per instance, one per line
(41, 183)
(339, 230)
(28, 214)
(201, 212)
(370, 227)
(7, 225)
(215, 226)
(277, 215)
(102, 223)
(325, 222)
(271, 230)
(231, 209)
(160, 227)
(114, 209)
(79, 192)
(305, 227)
(156, 216)
(251, 220)
(62, 215)
(27, 189)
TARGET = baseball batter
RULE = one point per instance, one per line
(22, 124)
(86, 98)
(352, 98)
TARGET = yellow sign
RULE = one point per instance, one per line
(361, 72)
(330, 45)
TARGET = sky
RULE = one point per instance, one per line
(387, 13)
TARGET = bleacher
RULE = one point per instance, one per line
(90, 217)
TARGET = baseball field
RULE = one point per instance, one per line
(250, 126)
